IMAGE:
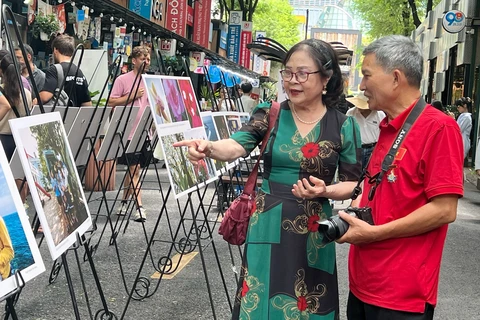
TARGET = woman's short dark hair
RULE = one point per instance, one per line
(326, 60)
(9, 76)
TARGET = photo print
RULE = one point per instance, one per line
(174, 99)
(53, 179)
(181, 171)
(211, 134)
(244, 118)
(190, 102)
(157, 99)
(221, 126)
(205, 169)
(19, 250)
(233, 123)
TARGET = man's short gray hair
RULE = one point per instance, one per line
(398, 52)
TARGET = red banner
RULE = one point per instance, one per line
(59, 11)
(245, 38)
(201, 27)
(177, 16)
(190, 16)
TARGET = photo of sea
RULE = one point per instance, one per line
(22, 257)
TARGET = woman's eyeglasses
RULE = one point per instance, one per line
(301, 76)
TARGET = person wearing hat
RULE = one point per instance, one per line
(368, 121)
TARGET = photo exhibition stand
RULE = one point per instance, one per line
(188, 228)
(68, 118)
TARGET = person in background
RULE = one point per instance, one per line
(394, 265)
(76, 88)
(369, 123)
(246, 101)
(121, 96)
(38, 75)
(464, 121)
(11, 93)
(225, 103)
(477, 157)
(437, 104)
(287, 273)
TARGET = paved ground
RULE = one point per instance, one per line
(186, 296)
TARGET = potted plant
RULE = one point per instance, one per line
(44, 26)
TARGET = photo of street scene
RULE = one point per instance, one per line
(53, 180)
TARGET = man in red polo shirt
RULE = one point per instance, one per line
(394, 265)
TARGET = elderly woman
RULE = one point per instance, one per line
(287, 273)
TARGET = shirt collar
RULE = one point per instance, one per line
(398, 122)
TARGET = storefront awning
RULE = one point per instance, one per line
(109, 9)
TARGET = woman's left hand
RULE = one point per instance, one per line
(309, 189)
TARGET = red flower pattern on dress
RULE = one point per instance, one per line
(312, 224)
(245, 288)
(302, 303)
(310, 150)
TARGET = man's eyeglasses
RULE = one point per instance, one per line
(301, 76)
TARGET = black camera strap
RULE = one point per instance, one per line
(390, 157)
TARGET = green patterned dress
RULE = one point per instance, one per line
(286, 273)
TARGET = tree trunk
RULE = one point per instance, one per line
(413, 6)
(429, 7)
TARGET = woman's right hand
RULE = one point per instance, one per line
(197, 149)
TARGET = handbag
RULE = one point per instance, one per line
(234, 225)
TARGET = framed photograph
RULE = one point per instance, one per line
(181, 171)
(190, 102)
(19, 248)
(157, 100)
(52, 178)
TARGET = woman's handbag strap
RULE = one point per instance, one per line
(272, 118)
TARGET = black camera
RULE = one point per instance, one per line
(335, 227)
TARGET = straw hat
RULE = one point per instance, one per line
(359, 101)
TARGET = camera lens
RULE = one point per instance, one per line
(332, 229)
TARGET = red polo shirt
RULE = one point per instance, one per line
(402, 274)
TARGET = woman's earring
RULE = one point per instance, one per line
(324, 92)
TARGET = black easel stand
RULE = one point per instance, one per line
(12, 298)
(104, 313)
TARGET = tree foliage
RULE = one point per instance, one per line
(276, 18)
(384, 17)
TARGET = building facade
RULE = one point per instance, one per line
(451, 60)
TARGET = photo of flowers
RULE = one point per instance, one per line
(181, 171)
(205, 169)
(190, 102)
(174, 99)
(19, 250)
(53, 179)
(157, 99)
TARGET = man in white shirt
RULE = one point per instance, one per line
(247, 102)
(368, 121)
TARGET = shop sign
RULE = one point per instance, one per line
(454, 21)
(257, 61)
(223, 37)
(201, 26)
(158, 12)
(246, 38)
(199, 57)
(141, 7)
(234, 35)
(167, 47)
(177, 16)
(190, 16)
